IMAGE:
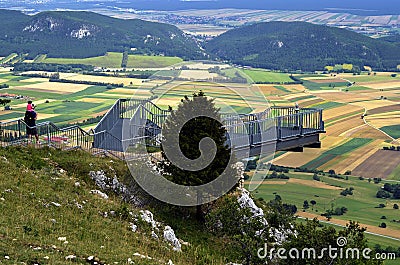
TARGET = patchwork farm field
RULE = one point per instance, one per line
(60, 103)
(358, 123)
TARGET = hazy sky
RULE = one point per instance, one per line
(372, 6)
(365, 7)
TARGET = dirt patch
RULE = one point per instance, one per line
(313, 183)
(370, 228)
(292, 159)
(381, 163)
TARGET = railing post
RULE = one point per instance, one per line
(251, 133)
(279, 128)
(19, 130)
(301, 123)
(48, 135)
(321, 122)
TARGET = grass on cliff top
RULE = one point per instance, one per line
(39, 204)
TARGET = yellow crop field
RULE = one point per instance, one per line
(383, 121)
(340, 111)
(297, 159)
(197, 74)
(293, 96)
(373, 104)
(347, 67)
(54, 87)
(107, 79)
(382, 85)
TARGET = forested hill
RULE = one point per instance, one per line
(305, 46)
(393, 39)
(85, 34)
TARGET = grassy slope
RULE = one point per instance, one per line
(31, 180)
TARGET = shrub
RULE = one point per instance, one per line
(347, 191)
(377, 180)
(382, 225)
(316, 177)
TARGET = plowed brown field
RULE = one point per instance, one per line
(380, 164)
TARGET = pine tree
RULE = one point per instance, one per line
(206, 124)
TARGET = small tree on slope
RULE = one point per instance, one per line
(191, 132)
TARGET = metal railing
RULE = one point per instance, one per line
(74, 137)
(145, 123)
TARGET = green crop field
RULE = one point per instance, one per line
(324, 86)
(281, 88)
(263, 76)
(328, 105)
(357, 88)
(393, 130)
(110, 60)
(141, 61)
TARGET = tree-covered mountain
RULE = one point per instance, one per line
(85, 34)
(299, 45)
(393, 39)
